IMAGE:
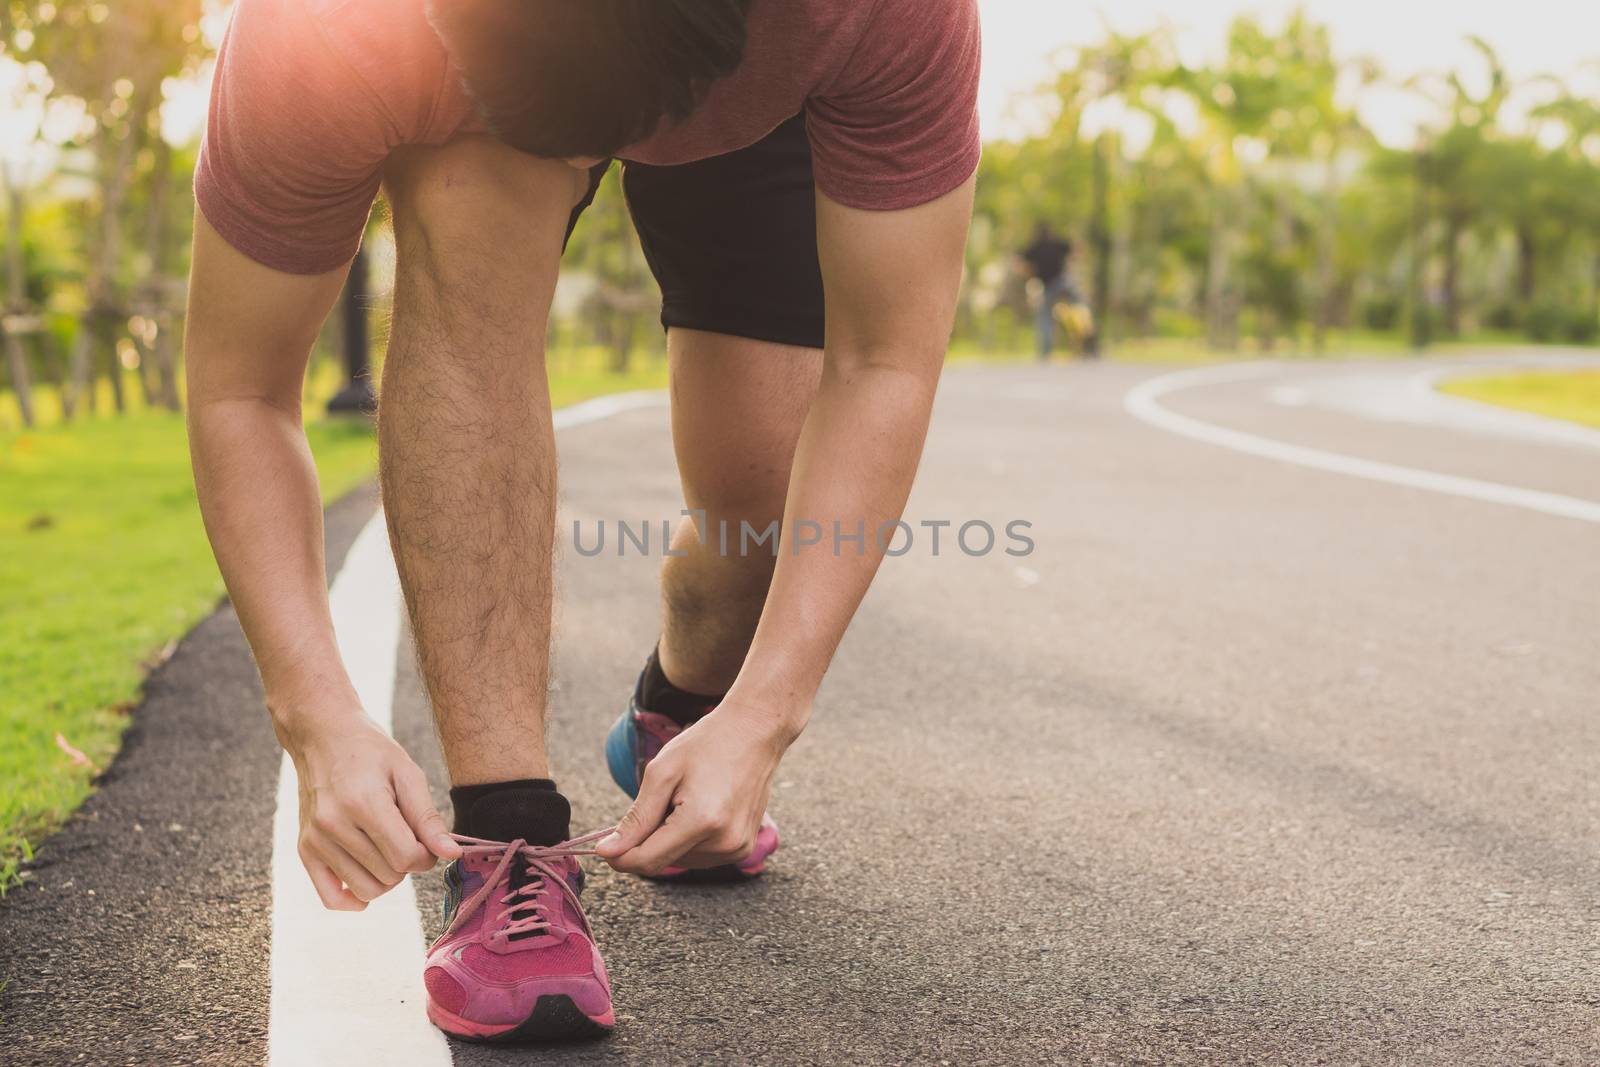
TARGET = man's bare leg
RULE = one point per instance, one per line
(466, 445)
(737, 409)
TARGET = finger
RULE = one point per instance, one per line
(416, 807)
(350, 871)
(676, 837)
(334, 896)
(396, 843)
(649, 809)
(352, 837)
(712, 853)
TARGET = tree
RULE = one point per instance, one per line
(1577, 119)
(113, 59)
(23, 90)
(1457, 165)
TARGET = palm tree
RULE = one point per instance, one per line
(1578, 119)
(1458, 167)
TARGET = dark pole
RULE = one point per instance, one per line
(357, 397)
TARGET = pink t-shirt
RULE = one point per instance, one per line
(311, 96)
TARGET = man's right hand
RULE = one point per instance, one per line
(366, 816)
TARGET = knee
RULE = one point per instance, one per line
(733, 599)
(723, 558)
(743, 531)
(476, 223)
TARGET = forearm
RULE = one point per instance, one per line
(853, 471)
(248, 335)
(891, 280)
(262, 506)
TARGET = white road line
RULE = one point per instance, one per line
(1143, 403)
(343, 982)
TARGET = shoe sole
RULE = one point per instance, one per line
(728, 872)
(554, 1018)
(622, 759)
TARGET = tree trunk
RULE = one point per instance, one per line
(1217, 271)
(622, 319)
(141, 373)
(1452, 276)
(17, 371)
(107, 345)
(1121, 299)
(1595, 298)
(162, 353)
(80, 367)
(95, 332)
(1327, 246)
(621, 335)
(1280, 317)
(1421, 319)
(166, 359)
(1100, 238)
(16, 299)
(1266, 330)
(54, 362)
(149, 377)
(1527, 266)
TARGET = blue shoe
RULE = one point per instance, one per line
(632, 743)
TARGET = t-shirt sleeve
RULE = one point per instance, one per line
(899, 126)
(294, 145)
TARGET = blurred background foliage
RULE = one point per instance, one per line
(1239, 204)
(1245, 203)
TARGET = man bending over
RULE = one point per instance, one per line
(800, 173)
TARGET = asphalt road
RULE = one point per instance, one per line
(1247, 762)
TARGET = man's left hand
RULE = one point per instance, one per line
(702, 798)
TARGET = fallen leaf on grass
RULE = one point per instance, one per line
(158, 657)
(78, 758)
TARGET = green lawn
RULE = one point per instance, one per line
(103, 563)
(582, 374)
(1572, 395)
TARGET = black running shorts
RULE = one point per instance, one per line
(732, 240)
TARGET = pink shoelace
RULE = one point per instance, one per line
(524, 913)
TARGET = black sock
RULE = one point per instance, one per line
(530, 809)
(657, 694)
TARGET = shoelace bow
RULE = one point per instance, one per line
(524, 912)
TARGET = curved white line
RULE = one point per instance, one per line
(348, 988)
(1143, 403)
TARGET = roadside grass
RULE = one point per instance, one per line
(104, 564)
(579, 374)
(1572, 395)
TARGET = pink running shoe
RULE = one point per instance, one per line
(633, 742)
(517, 961)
